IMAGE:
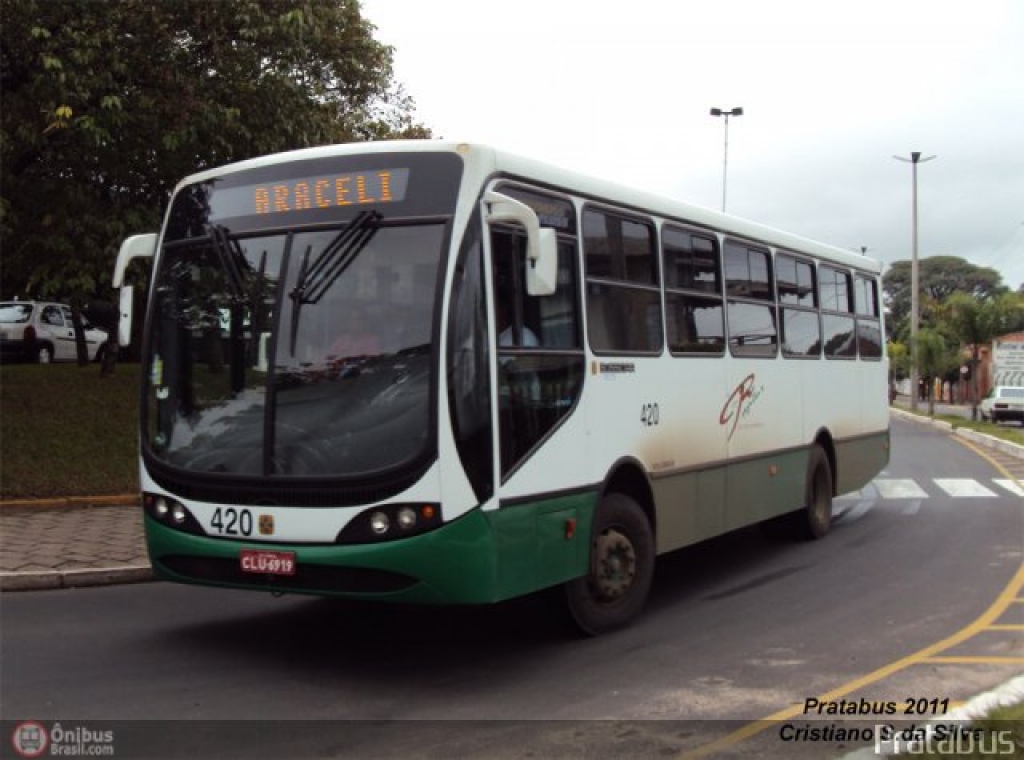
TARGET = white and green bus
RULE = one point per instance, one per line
(437, 372)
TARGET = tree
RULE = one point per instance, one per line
(935, 357)
(107, 105)
(939, 278)
(976, 322)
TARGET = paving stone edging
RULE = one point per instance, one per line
(58, 579)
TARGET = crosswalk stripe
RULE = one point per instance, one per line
(858, 511)
(1010, 486)
(907, 488)
(912, 507)
(899, 488)
(961, 488)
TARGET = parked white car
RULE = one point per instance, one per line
(1004, 402)
(41, 331)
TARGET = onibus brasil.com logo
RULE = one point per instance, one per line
(32, 739)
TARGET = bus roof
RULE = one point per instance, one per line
(489, 161)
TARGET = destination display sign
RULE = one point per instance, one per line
(324, 190)
(361, 188)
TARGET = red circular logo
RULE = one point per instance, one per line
(30, 739)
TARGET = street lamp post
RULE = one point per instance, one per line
(914, 160)
(725, 159)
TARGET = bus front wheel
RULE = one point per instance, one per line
(620, 571)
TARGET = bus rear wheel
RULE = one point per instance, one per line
(620, 571)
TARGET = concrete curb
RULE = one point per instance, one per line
(58, 579)
(982, 439)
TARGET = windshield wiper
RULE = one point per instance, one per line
(227, 255)
(337, 256)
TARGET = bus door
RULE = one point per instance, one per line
(539, 438)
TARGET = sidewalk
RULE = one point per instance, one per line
(67, 543)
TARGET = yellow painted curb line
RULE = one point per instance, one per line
(71, 501)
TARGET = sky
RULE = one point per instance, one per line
(830, 91)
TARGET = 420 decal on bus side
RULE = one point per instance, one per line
(650, 415)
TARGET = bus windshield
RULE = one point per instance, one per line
(258, 367)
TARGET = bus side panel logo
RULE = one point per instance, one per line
(739, 403)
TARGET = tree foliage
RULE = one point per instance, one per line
(977, 322)
(936, 356)
(106, 105)
(939, 278)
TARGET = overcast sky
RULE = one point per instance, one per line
(831, 91)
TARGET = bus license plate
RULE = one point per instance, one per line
(267, 563)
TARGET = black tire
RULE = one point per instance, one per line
(815, 519)
(622, 556)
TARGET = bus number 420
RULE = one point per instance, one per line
(232, 522)
(650, 415)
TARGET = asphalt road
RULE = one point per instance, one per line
(736, 630)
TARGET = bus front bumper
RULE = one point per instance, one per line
(452, 564)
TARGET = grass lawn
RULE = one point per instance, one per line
(64, 430)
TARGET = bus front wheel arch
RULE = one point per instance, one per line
(621, 568)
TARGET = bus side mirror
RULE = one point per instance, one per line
(541, 244)
(124, 321)
(134, 247)
(542, 269)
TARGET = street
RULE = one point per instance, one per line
(736, 629)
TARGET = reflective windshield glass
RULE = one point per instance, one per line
(344, 371)
(292, 320)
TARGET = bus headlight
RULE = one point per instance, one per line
(379, 523)
(406, 518)
(385, 522)
(170, 513)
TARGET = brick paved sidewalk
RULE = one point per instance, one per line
(71, 545)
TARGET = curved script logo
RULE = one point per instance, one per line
(740, 402)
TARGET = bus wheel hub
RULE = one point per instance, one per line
(615, 565)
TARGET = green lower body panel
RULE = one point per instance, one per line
(700, 504)
(861, 459)
(481, 557)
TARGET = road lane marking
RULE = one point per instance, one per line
(929, 654)
(967, 660)
(858, 511)
(1010, 485)
(988, 618)
(912, 507)
(1010, 595)
(963, 488)
(899, 488)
